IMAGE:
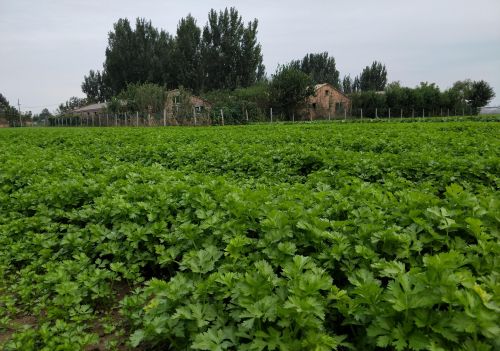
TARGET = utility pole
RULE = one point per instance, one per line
(19, 109)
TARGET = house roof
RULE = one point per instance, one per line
(319, 86)
(93, 107)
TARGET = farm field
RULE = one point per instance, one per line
(354, 236)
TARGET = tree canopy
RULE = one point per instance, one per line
(225, 55)
(72, 103)
(231, 55)
(187, 55)
(145, 98)
(320, 67)
(373, 77)
(140, 55)
(290, 88)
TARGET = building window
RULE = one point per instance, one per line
(314, 105)
(177, 99)
(327, 92)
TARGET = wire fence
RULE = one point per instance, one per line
(215, 117)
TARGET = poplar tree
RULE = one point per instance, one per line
(373, 77)
(187, 56)
(231, 55)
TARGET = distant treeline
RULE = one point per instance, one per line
(464, 96)
(222, 61)
(224, 54)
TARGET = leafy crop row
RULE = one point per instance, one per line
(310, 237)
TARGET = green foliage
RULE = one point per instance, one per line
(464, 97)
(289, 89)
(231, 55)
(268, 237)
(347, 85)
(10, 113)
(187, 55)
(134, 56)
(320, 67)
(145, 98)
(480, 95)
(94, 87)
(253, 100)
(373, 78)
(71, 104)
(225, 55)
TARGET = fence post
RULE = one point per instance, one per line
(271, 113)
(137, 118)
(463, 112)
(423, 113)
(329, 115)
(222, 116)
(246, 114)
(361, 114)
(164, 117)
(116, 120)
(401, 117)
(376, 112)
(194, 115)
(389, 113)
(293, 116)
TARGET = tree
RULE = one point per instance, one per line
(187, 56)
(231, 55)
(347, 85)
(4, 103)
(290, 88)
(471, 94)
(226, 56)
(137, 56)
(427, 96)
(373, 77)
(93, 86)
(253, 100)
(481, 93)
(71, 104)
(7, 111)
(369, 101)
(146, 98)
(43, 116)
(320, 67)
(356, 85)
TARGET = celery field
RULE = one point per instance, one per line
(333, 236)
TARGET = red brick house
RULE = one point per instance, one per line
(328, 102)
(183, 108)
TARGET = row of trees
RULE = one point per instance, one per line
(225, 54)
(465, 95)
(223, 62)
(372, 78)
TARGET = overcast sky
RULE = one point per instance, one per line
(46, 47)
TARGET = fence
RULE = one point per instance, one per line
(227, 117)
